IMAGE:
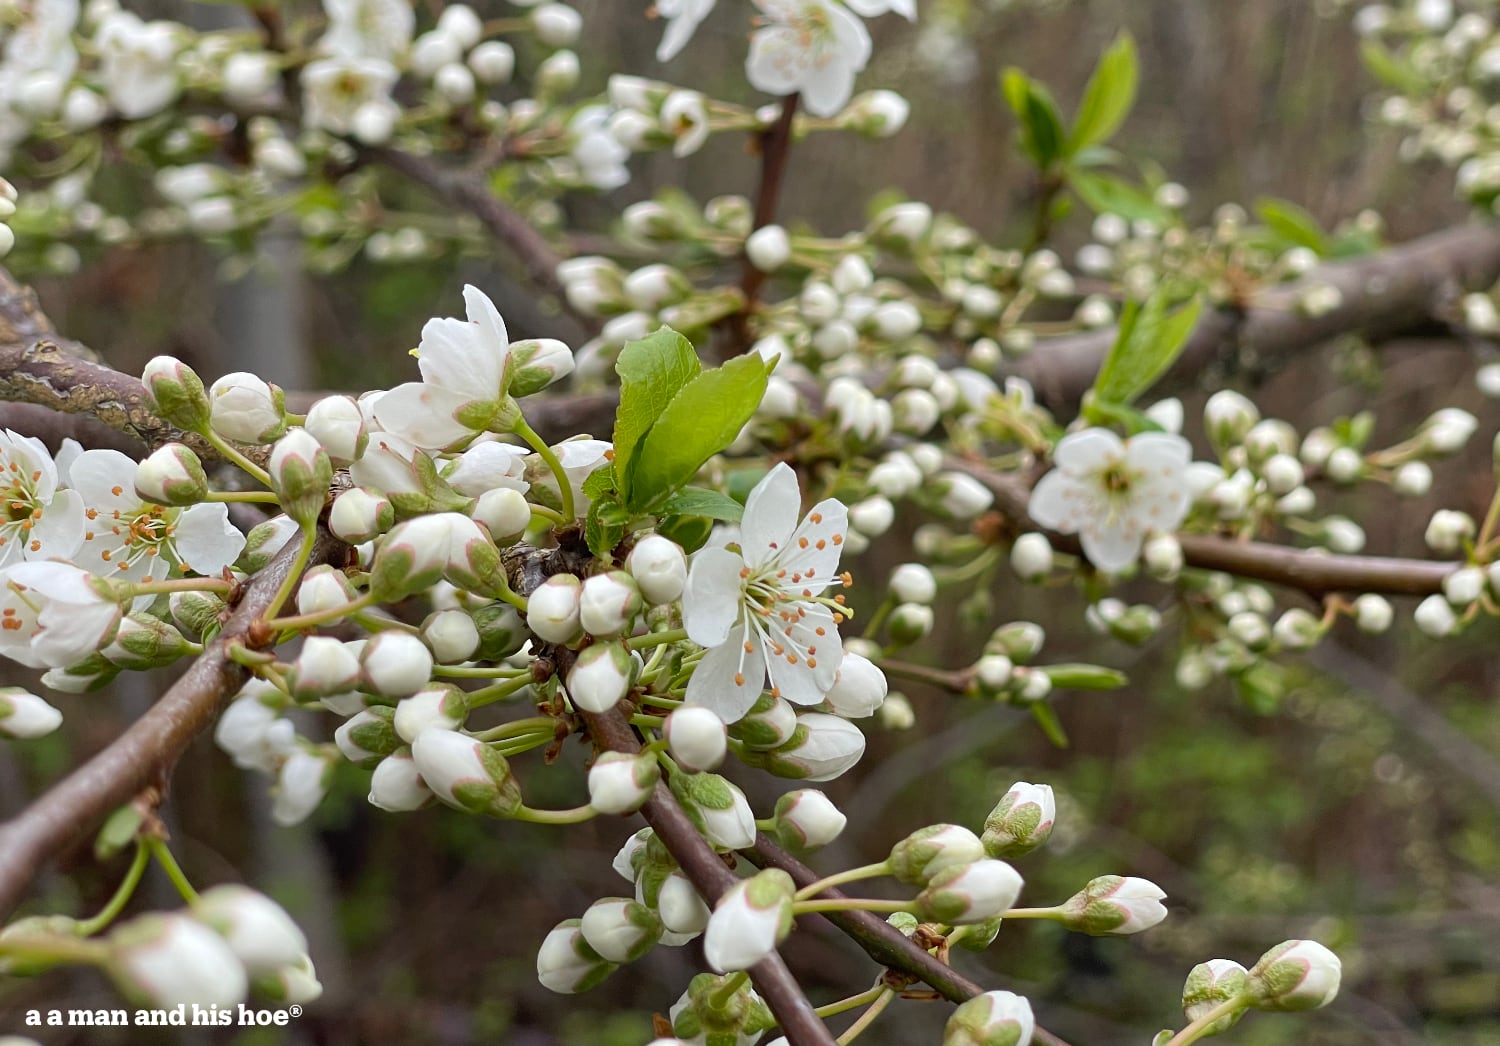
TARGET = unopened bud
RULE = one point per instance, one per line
(176, 393)
(1021, 821)
(172, 475)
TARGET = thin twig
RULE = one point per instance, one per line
(775, 146)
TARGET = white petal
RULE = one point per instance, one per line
(452, 355)
(106, 479)
(827, 87)
(815, 546)
(1057, 500)
(1087, 451)
(1158, 451)
(711, 602)
(59, 533)
(206, 541)
(777, 60)
(771, 513)
(1112, 549)
(730, 678)
(422, 413)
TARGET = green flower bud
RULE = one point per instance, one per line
(176, 393)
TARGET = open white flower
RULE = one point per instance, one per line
(132, 540)
(682, 18)
(42, 42)
(138, 63)
(52, 614)
(1113, 493)
(810, 46)
(346, 94)
(907, 9)
(368, 28)
(758, 608)
(37, 521)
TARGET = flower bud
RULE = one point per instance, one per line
(1297, 629)
(877, 114)
(258, 930)
(368, 736)
(337, 423)
(620, 929)
(1031, 557)
(1413, 479)
(437, 708)
(1464, 585)
(176, 393)
(300, 473)
(324, 588)
(493, 61)
(24, 715)
(1115, 905)
(358, 515)
(913, 583)
(502, 631)
(1344, 465)
(769, 723)
(621, 782)
(608, 603)
(858, 689)
(324, 667)
(566, 964)
(301, 784)
(295, 983)
(696, 738)
(1448, 530)
(927, 851)
(659, 569)
(1435, 617)
(556, 25)
(681, 909)
(1208, 985)
(1373, 613)
(717, 807)
(968, 893)
(242, 407)
(901, 223)
(872, 516)
(143, 642)
(963, 497)
(197, 614)
(167, 961)
(601, 677)
(537, 363)
(451, 635)
(172, 475)
(552, 610)
(1021, 821)
(1229, 416)
(505, 513)
(466, 774)
(768, 248)
(473, 561)
(821, 748)
(1294, 975)
(1448, 430)
(397, 784)
(750, 920)
(412, 557)
(396, 664)
(806, 820)
(910, 623)
(996, 1018)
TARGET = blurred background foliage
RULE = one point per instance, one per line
(1363, 808)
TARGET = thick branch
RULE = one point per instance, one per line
(147, 751)
(1316, 573)
(1383, 295)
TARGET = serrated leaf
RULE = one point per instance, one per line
(1108, 194)
(1108, 97)
(698, 501)
(599, 485)
(703, 418)
(1293, 224)
(652, 371)
(604, 527)
(1042, 132)
(1149, 340)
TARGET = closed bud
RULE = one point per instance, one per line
(682, 911)
(1115, 905)
(1373, 613)
(368, 736)
(1297, 629)
(696, 738)
(324, 588)
(717, 807)
(608, 603)
(566, 964)
(294, 983)
(502, 631)
(493, 61)
(359, 515)
(913, 583)
(659, 569)
(176, 393)
(259, 930)
(24, 715)
(927, 851)
(242, 407)
(1031, 557)
(1021, 821)
(1448, 430)
(1229, 417)
(1020, 641)
(436, 708)
(172, 475)
(451, 636)
(537, 363)
(910, 623)
(1464, 585)
(144, 642)
(1162, 556)
(806, 820)
(877, 114)
(324, 667)
(858, 689)
(601, 677)
(396, 664)
(552, 609)
(301, 784)
(620, 929)
(504, 512)
(166, 961)
(197, 614)
(821, 748)
(768, 248)
(413, 556)
(996, 1018)
(473, 561)
(397, 784)
(872, 517)
(1413, 479)
(621, 782)
(1209, 984)
(337, 423)
(1448, 530)
(901, 223)
(300, 473)
(1294, 975)
(962, 496)
(1344, 465)
(1435, 617)
(769, 723)
(749, 921)
(968, 893)
(466, 774)
(556, 25)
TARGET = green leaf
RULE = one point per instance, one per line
(703, 418)
(1046, 718)
(1108, 97)
(697, 501)
(1293, 224)
(1148, 342)
(1390, 70)
(1108, 194)
(600, 485)
(119, 831)
(690, 532)
(1042, 131)
(605, 526)
(1085, 677)
(652, 371)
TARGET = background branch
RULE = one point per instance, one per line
(146, 752)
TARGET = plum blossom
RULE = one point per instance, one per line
(907, 9)
(683, 17)
(138, 63)
(41, 43)
(1114, 493)
(757, 606)
(53, 615)
(37, 520)
(350, 95)
(380, 29)
(810, 46)
(599, 155)
(129, 539)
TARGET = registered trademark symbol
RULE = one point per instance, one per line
(295, 1011)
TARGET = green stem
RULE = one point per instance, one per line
(576, 815)
(181, 584)
(849, 904)
(297, 622)
(1034, 913)
(499, 691)
(854, 1002)
(477, 672)
(550, 515)
(122, 896)
(1195, 1031)
(518, 728)
(169, 865)
(1491, 518)
(878, 618)
(509, 594)
(867, 1018)
(224, 447)
(671, 635)
(564, 487)
(258, 497)
(294, 575)
(53, 948)
(727, 991)
(867, 871)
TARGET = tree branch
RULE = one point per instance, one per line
(1382, 296)
(775, 144)
(147, 751)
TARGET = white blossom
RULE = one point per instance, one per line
(682, 18)
(815, 47)
(39, 520)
